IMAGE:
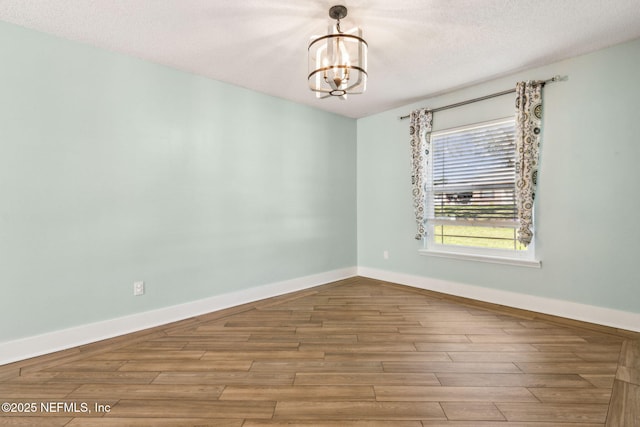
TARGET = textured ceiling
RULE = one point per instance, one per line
(417, 48)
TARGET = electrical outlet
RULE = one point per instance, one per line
(138, 288)
(385, 254)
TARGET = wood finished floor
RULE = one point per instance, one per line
(358, 352)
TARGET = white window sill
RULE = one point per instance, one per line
(532, 263)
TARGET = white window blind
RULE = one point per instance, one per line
(473, 174)
(471, 198)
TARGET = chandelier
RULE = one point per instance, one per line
(338, 60)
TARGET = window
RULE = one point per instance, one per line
(471, 202)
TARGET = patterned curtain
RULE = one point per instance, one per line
(528, 126)
(419, 129)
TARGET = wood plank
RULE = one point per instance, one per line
(147, 391)
(36, 391)
(155, 345)
(405, 356)
(351, 378)
(572, 395)
(307, 338)
(323, 423)
(625, 405)
(393, 338)
(149, 355)
(226, 378)
(153, 422)
(315, 366)
(187, 365)
(520, 356)
(506, 424)
(359, 411)
(348, 330)
(89, 365)
(629, 363)
(538, 412)
(299, 393)
(187, 408)
(460, 411)
(266, 322)
(263, 355)
(529, 339)
(558, 331)
(438, 367)
(117, 377)
(204, 336)
(568, 368)
(453, 394)
(451, 330)
(34, 421)
(599, 357)
(475, 347)
(36, 377)
(385, 319)
(446, 314)
(482, 321)
(512, 380)
(630, 354)
(360, 347)
(578, 347)
(216, 345)
(258, 327)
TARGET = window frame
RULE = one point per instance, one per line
(525, 258)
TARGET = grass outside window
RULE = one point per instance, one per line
(477, 236)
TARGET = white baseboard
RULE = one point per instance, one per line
(68, 338)
(571, 310)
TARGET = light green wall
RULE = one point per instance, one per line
(588, 196)
(113, 170)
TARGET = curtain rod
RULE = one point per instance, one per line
(482, 98)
